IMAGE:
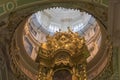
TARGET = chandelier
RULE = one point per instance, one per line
(64, 53)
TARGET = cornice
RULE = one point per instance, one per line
(11, 5)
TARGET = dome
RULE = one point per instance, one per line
(52, 20)
(55, 19)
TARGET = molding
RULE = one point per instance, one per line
(21, 4)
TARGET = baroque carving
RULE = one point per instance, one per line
(63, 48)
(62, 40)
